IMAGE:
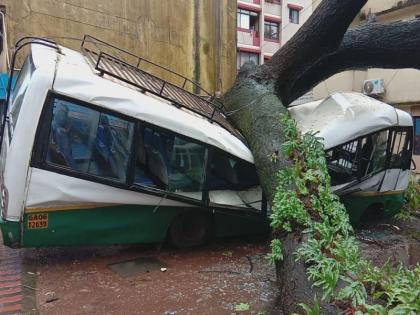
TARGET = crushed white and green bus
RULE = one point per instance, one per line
(96, 150)
(368, 147)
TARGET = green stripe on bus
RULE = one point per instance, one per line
(356, 204)
(123, 224)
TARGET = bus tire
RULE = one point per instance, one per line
(190, 229)
(373, 213)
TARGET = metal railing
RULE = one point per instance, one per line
(20, 44)
(148, 76)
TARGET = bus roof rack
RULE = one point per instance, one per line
(136, 71)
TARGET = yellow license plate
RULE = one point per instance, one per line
(38, 221)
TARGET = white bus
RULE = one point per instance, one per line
(368, 147)
(97, 150)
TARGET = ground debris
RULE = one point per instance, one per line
(50, 297)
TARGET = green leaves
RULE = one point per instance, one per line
(354, 291)
(276, 254)
(304, 202)
(314, 310)
(242, 307)
(412, 201)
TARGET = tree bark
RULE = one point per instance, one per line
(320, 35)
(321, 48)
(255, 110)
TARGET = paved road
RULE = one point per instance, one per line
(11, 289)
(17, 282)
(129, 280)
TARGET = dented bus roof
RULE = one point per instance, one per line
(346, 116)
(75, 77)
(338, 119)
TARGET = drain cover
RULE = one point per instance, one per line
(133, 267)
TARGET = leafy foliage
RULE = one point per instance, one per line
(242, 307)
(314, 310)
(412, 201)
(304, 202)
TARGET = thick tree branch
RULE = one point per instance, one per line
(256, 98)
(321, 34)
(393, 45)
(255, 103)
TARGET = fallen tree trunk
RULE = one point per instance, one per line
(260, 95)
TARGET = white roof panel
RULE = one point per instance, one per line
(76, 78)
(343, 117)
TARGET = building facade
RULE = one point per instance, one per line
(398, 87)
(263, 26)
(192, 37)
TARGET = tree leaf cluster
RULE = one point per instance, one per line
(412, 201)
(304, 203)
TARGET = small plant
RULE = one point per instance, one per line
(412, 201)
(242, 307)
(315, 309)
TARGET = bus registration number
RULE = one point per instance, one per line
(38, 221)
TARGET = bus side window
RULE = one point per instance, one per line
(342, 163)
(365, 155)
(89, 142)
(168, 162)
(380, 146)
(230, 173)
(111, 147)
(400, 150)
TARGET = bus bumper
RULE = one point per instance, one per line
(10, 233)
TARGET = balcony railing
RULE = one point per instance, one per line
(249, 37)
(252, 1)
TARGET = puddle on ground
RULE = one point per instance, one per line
(133, 267)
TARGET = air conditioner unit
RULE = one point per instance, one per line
(374, 87)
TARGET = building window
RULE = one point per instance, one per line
(294, 16)
(274, 1)
(247, 20)
(416, 135)
(244, 57)
(271, 30)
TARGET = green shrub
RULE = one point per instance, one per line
(304, 202)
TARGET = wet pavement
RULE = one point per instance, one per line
(396, 240)
(149, 280)
(17, 283)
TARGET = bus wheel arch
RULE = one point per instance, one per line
(191, 229)
(373, 212)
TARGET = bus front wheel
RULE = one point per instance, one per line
(190, 229)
